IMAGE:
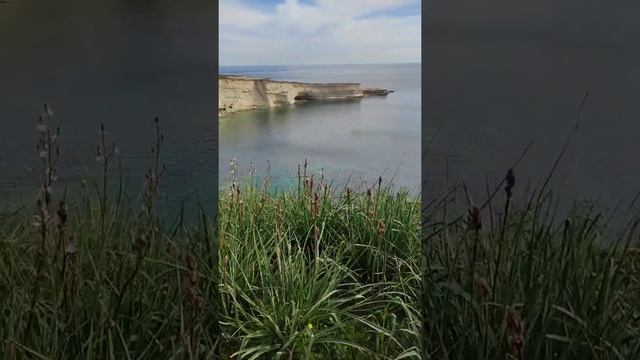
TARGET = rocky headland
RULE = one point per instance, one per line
(240, 93)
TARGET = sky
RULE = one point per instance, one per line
(289, 32)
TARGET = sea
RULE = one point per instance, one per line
(120, 63)
(347, 143)
(499, 77)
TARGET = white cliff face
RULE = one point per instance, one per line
(239, 93)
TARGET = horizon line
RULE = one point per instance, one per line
(382, 63)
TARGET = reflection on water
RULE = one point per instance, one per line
(357, 140)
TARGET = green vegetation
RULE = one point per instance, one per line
(90, 276)
(312, 273)
(509, 280)
(303, 274)
(116, 289)
(514, 279)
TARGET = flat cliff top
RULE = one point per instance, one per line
(242, 77)
(239, 93)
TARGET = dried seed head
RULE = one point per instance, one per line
(381, 228)
(199, 301)
(192, 266)
(567, 227)
(510, 182)
(62, 213)
(314, 206)
(482, 289)
(71, 248)
(12, 353)
(191, 263)
(474, 218)
(140, 243)
(279, 215)
(515, 330)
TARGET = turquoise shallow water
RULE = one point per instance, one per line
(352, 140)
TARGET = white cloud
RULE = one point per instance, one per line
(359, 7)
(326, 32)
(234, 14)
(291, 15)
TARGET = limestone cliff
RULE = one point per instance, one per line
(238, 93)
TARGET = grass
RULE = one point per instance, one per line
(307, 273)
(512, 279)
(315, 273)
(112, 290)
(90, 275)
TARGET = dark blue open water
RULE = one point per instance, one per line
(113, 61)
(500, 74)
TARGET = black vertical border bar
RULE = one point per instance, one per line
(215, 64)
(215, 256)
(424, 175)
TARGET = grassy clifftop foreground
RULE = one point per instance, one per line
(307, 274)
(90, 275)
(313, 273)
(510, 279)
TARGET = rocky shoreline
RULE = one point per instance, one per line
(241, 93)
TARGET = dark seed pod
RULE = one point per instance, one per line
(511, 181)
(474, 218)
